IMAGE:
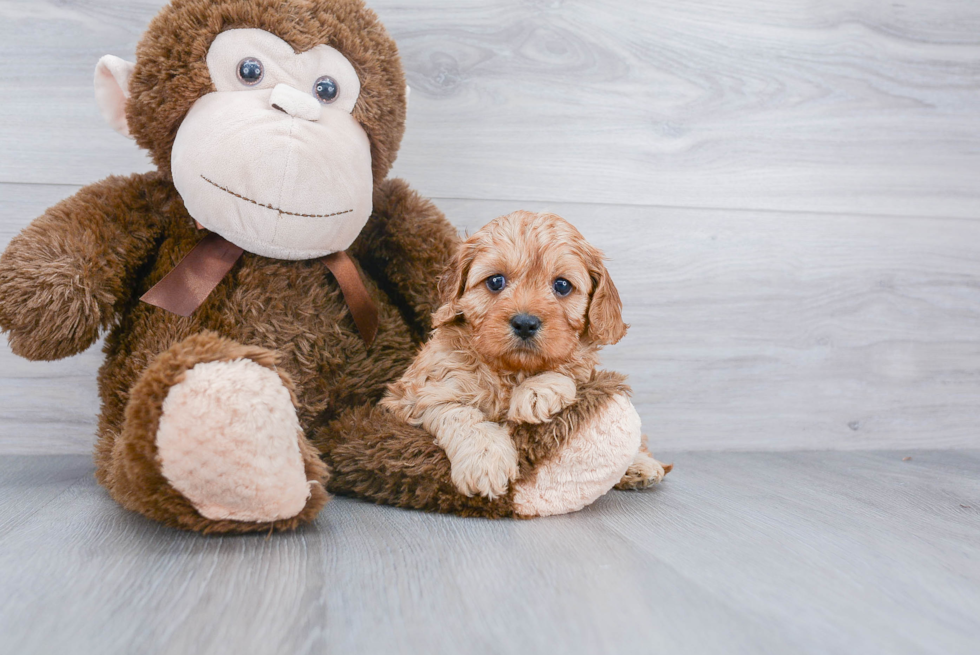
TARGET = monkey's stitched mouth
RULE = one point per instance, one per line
(281, 211)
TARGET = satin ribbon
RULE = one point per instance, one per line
(192, 280)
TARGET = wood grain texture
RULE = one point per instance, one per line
(769, 331)
(735, 553)
(849, 106)
(750, 330)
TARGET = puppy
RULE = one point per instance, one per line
(528, 304)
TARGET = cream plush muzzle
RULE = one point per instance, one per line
(298, 182)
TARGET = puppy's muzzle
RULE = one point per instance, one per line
(525, 326)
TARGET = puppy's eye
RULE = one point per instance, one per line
(562, 287)
(250, 71)
(496, 283)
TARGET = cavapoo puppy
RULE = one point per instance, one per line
(528, 304)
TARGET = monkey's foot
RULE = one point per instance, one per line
(212, 442)
(229, 442)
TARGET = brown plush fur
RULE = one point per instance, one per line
(80, 269)
(84, 264)
(397, 464)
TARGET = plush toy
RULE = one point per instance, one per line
(264, 284)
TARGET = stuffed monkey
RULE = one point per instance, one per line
(259, 288)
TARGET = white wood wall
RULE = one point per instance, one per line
(788, 191)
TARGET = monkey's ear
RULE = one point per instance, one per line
(112, 90)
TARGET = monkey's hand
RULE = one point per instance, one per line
(540, 397)
(63, 275)
(49, 308)
(484, 460)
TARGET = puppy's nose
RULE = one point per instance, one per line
(525, 326)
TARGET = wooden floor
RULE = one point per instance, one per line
(749, 553)
(789, 195)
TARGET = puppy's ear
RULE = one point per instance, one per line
(452, 283)
(604, 326)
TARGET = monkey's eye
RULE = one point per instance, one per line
(562, 287)
(326, 90)
(250, 71)
(496, 283)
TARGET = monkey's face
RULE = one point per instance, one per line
(272, 160)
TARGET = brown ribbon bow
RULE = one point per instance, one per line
(192, 280)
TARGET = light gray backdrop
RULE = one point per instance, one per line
(788, 192)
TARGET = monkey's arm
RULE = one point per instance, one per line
(65, 276)
(406, 245)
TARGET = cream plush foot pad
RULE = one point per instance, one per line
(229, 442)
(592, 462)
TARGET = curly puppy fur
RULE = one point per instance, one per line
(477, 371)
(81, 268)
(644, 472)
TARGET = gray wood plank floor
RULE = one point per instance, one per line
(736, 553)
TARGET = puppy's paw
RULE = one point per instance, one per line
(644, 472)
(539, 398)
(486, 461)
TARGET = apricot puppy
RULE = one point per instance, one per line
(528, 304)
